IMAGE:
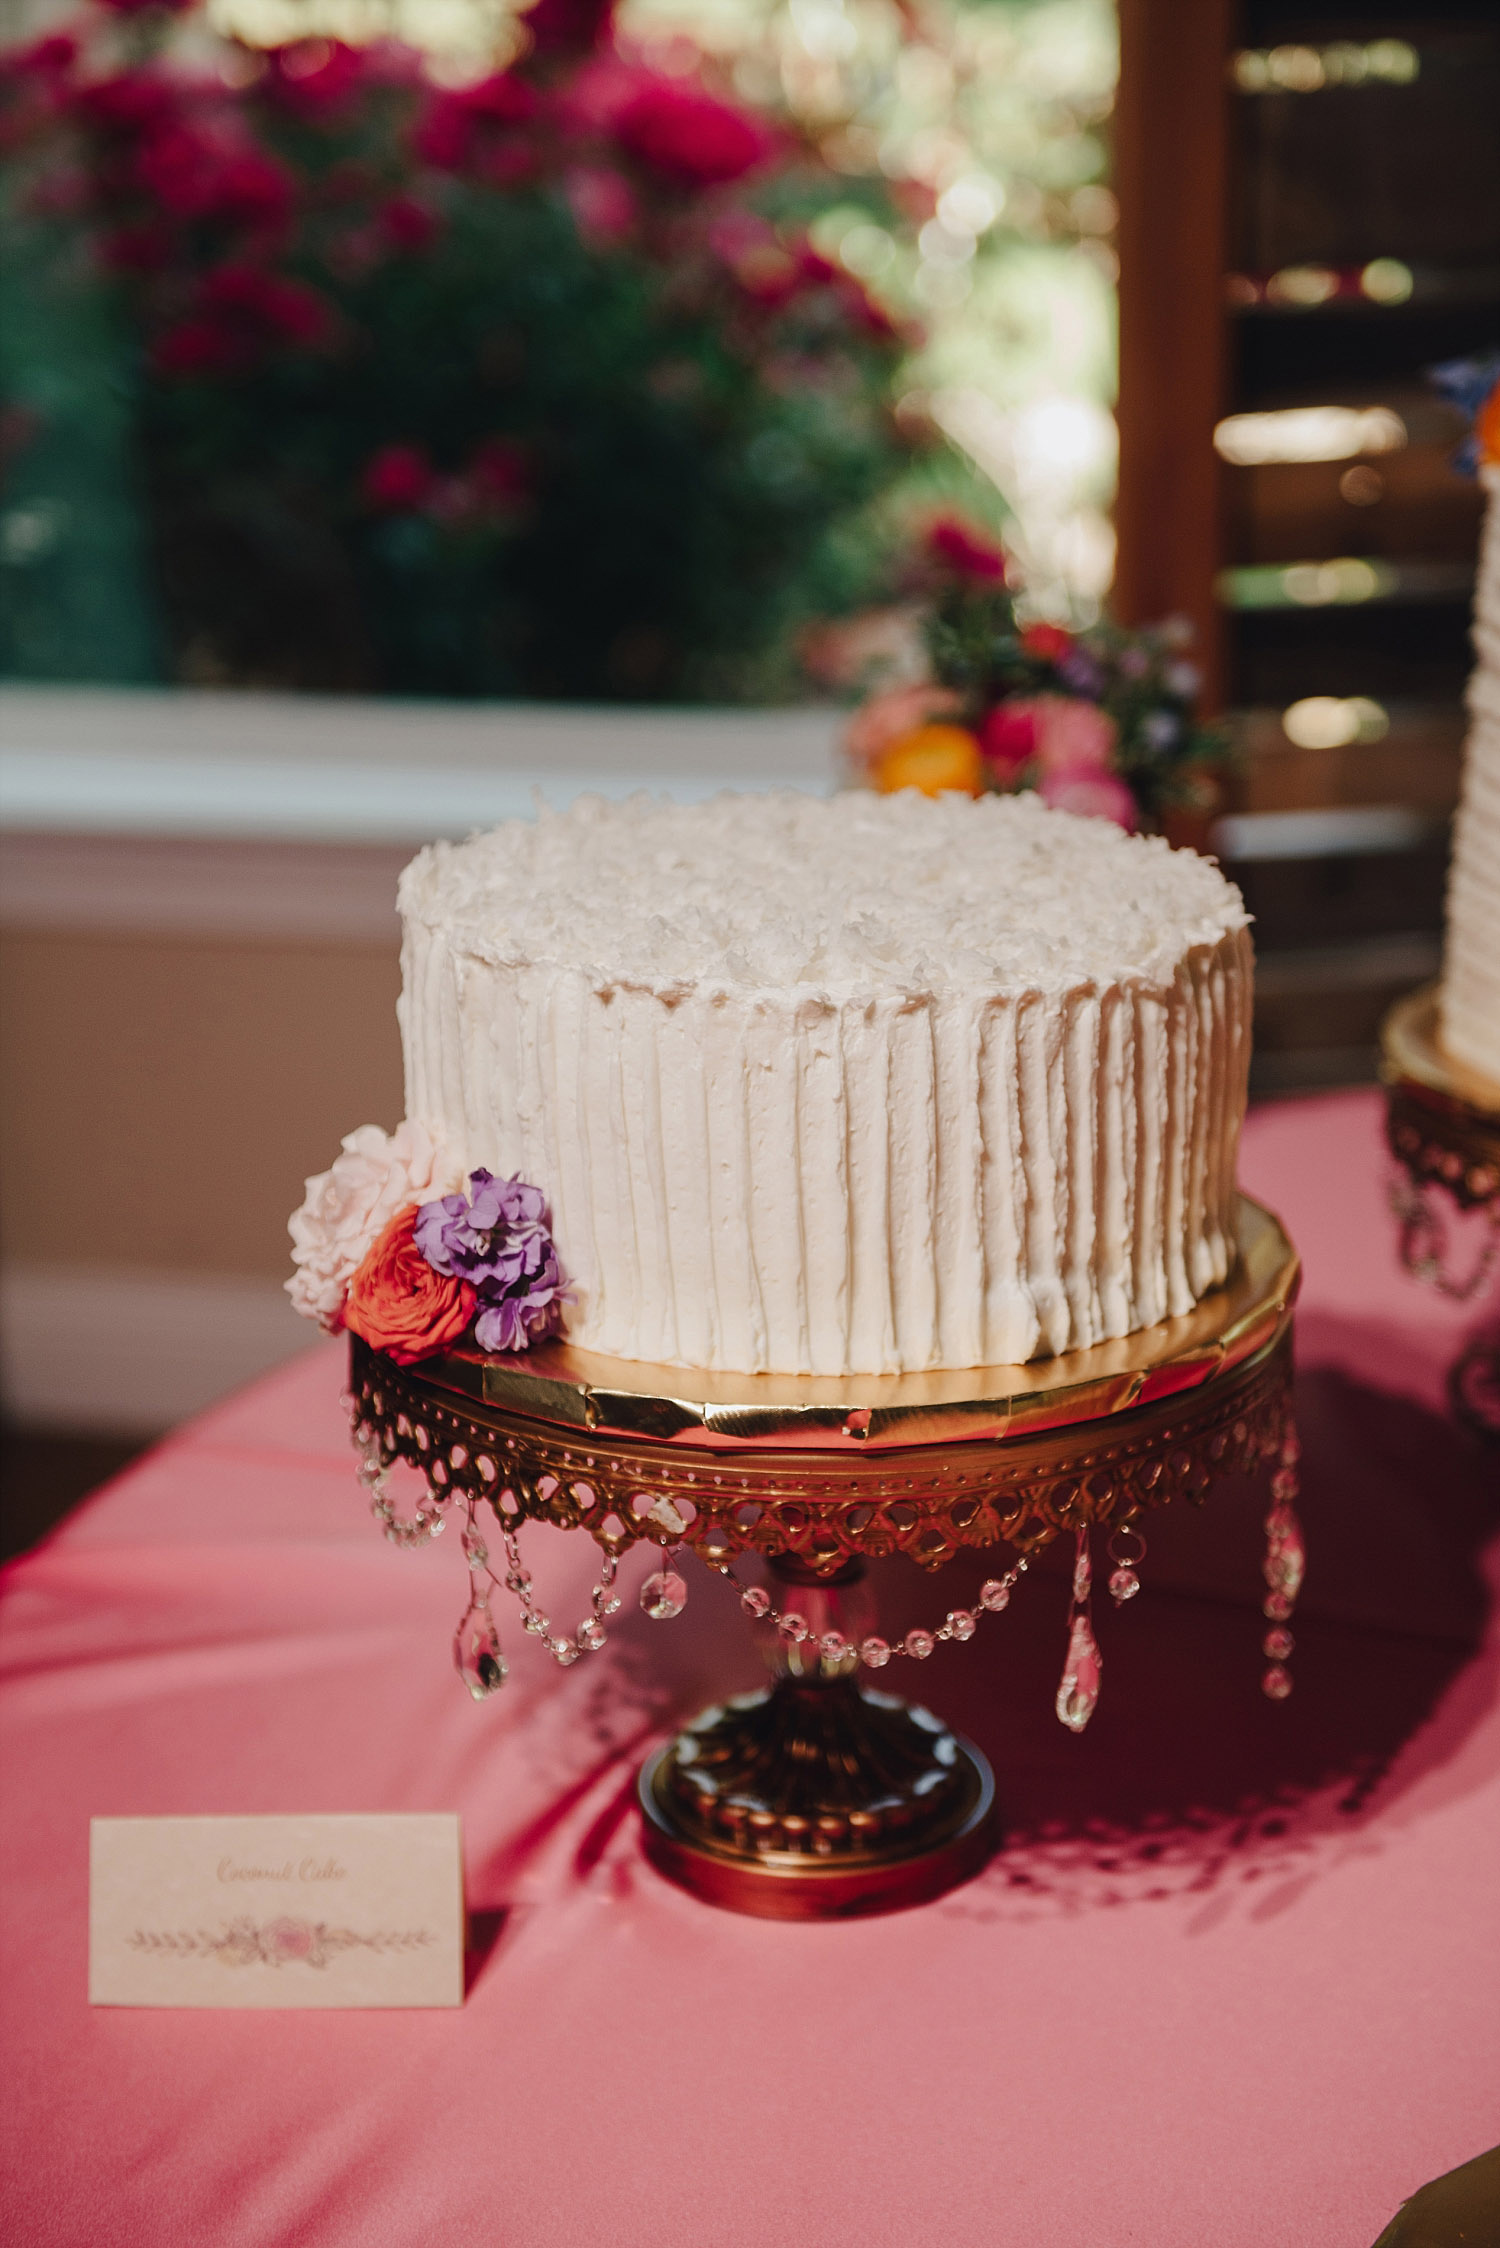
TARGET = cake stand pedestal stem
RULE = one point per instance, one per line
(815, 1799)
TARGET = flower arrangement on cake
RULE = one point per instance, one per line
(393, 1245)
(1098, 721)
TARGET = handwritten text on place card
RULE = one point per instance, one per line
(335, 1911)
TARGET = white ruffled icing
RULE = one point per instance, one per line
(841, 1087)
(1471, 965)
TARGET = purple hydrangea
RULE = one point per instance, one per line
(1082, 673)
(498, 1238)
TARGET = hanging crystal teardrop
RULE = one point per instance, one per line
(476, 1652)
(1124, 1584)
(1078, 1694)
(1286, 1555)
(663, 1595)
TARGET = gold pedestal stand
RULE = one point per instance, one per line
(1443, 1128)
(820, 1798)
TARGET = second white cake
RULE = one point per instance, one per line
(1471, 965)
(858, 1086)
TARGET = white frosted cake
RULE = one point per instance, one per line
(1471, 964)
(851, 1086)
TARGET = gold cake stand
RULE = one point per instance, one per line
(1443, 1128)
(817, 1797)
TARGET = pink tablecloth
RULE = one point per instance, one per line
(1234, 1981)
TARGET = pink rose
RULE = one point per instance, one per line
(568, 27)
(407, 223)
(398, 477)
(602, 202)
(472, 126)
(1073, 737)
(892, 713)
(1092, 796)
(841, 651)
(289, 1939)
(1008, 738)
(967, 552)
(691, 138)
(346, 1207)
(1047, 642)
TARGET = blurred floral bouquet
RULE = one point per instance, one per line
(1098, 722)
(530, 385)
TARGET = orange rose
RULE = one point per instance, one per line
(399, 1304)
(935, 759)
(1487, 428)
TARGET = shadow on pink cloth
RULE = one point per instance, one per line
(1188, 1778)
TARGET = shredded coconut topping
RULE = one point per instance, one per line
(857, 892)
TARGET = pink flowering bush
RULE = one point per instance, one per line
(528, 386)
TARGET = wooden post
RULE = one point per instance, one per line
(1171, 178)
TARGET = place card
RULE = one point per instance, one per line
(336, 1911)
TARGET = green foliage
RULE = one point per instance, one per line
(1141, 681)
(501, 392)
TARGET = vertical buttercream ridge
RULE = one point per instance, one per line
(1114, 1277)
(867, 1076)
(910, 1126)
(1085, 1095)
(823, 1189)
(1015, 1332)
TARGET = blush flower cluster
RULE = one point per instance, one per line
(414, 1276)
(1099, 722)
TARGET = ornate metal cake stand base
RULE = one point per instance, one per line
(840, 1802)
(819, 1798)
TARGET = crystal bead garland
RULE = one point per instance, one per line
(590, 1636)
(1078, 1693)
(408, 1532)
(1285, 1566)
(663, 1593)
(1127, 1550)
(839, 1654)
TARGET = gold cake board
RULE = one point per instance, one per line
(627, 1397)
(818, 1476)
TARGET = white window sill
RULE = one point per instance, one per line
(290, 816)
(341, 770)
